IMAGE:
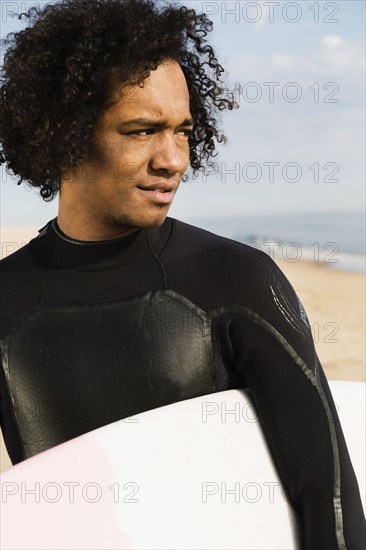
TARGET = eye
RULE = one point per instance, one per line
(188, 133)
(142, 132)
(149, 131)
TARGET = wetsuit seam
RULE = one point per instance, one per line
(176, 296)
(337, 502)
(33, 259)
(168, 239)
(11, 397)
(44, 271)
(157, 259)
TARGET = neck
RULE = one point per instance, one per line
(81, 223)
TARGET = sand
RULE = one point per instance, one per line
(335, 304)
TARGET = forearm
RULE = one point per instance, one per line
(303, 432)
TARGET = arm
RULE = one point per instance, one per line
(271, 347)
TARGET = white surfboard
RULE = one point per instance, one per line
(195, 475)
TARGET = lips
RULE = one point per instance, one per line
(159, 193)
(161, 187)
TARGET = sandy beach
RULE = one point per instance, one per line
(335, 304)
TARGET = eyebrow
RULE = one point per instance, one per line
(151, 123)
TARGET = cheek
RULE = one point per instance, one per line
(128, 163)
(110, 163)
(119, 161)
(129, 174)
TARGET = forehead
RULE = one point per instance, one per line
(164, 95)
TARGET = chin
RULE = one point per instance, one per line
(157, 221)
(153, 219)
(141, 222)
(146, 222)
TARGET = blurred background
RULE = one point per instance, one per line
(290, 179)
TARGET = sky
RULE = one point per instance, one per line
(297, 141)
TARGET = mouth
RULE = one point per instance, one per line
(160, 187)
(159, 193)
(155, 189)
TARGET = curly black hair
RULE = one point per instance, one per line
(53, 85)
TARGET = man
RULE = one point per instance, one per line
(115, 308)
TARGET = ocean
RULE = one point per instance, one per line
(333, 238)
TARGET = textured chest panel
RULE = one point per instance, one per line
(71, 369)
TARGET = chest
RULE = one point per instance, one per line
(70, 369)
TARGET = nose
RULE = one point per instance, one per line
(170, 153)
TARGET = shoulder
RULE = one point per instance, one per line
(18, 271)
(245, 276)
(216, 247)
(16, 260)
(20, 286)
(234, 263)
(23, 259)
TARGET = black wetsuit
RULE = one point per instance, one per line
(95, 332)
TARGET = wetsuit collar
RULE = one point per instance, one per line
(55, 250)
(87, 243)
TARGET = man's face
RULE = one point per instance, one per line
(109, 188)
